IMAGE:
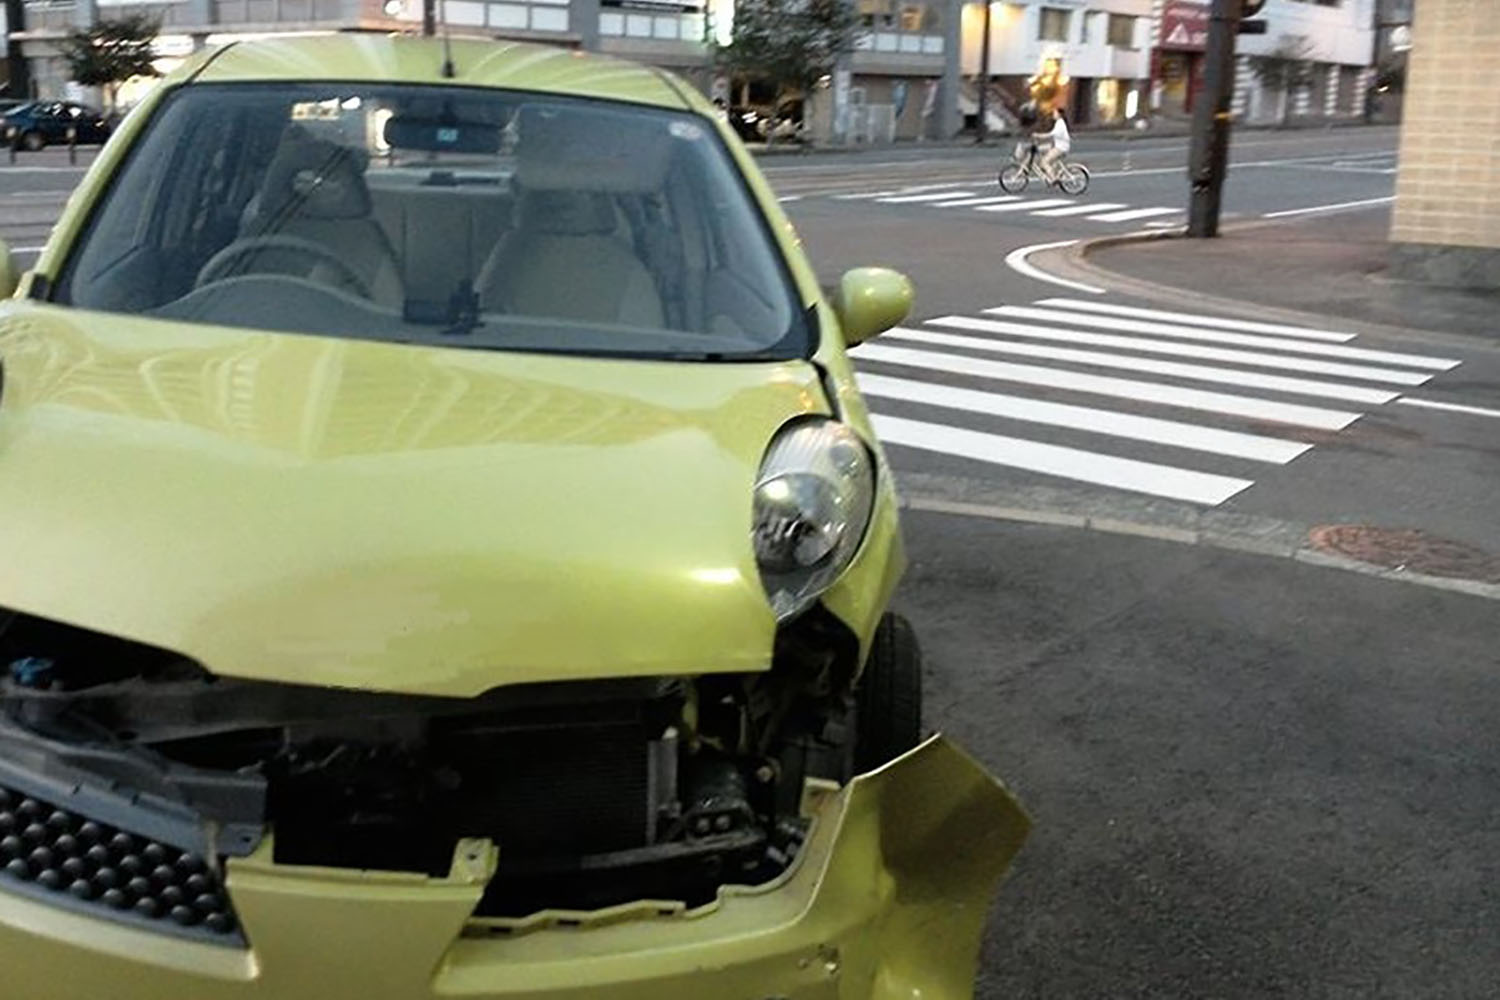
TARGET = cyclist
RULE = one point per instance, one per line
(1061, 142)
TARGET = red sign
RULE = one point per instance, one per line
(1184, 25)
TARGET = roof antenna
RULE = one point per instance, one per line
(447, 71)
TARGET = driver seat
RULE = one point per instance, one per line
(314, 190)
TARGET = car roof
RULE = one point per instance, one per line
(381, 58)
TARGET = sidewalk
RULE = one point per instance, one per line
(1333, 265)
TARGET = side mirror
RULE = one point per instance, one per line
(871, 300)
(10, 275)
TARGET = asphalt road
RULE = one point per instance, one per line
(1253, 774)
(1249, 778)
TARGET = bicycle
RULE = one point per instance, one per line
(1072, 178)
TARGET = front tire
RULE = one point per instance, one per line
(888, 700)
(1074, 179)
(33, 141)
(1014, 178)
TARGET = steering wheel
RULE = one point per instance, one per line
(219, 266)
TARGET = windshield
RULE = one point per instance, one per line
(467, 217)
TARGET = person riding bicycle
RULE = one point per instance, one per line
(1061, 142)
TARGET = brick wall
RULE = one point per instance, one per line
(1448, 184)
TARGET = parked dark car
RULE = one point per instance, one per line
(41, 123)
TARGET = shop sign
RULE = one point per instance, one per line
(1184, 25)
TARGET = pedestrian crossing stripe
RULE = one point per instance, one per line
(967, 196)
(1289, 362)
(924, 382)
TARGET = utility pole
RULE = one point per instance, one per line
(429, 17)
(1210, 147)
(982, 129)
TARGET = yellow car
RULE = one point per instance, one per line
(447, 556)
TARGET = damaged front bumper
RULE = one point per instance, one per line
(888, 899)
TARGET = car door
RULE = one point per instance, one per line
(51, 122)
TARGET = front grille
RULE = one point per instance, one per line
(65, 859)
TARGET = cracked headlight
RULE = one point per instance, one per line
(812, 505)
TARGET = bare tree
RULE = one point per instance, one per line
(1286, 69)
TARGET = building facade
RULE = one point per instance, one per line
(915, 71)
(670, 34)
(1314, 61)
(1446, 224)
(1101, 48)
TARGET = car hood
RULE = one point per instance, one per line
(389, 517)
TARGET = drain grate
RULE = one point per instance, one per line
(1408, 549)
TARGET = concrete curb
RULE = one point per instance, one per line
(1078, 267)
(1245, 544)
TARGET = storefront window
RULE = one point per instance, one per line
(1054, 24)
(1107, 100)
(1121, 31)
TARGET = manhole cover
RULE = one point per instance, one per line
(1407, 549)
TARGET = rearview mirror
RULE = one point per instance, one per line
(871, 300)
(10, 275)
(442, 136)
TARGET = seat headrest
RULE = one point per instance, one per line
(582, 148)
(315, 179)
(567, 213)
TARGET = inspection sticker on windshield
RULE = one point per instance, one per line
(686, 130)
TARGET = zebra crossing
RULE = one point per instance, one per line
(974, 198)
(1170, 404)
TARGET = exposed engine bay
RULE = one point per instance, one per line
(597, 793)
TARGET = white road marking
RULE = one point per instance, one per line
(1432, 404)
(1104, 385)
(1069, 463)
(1193, 319)
(1152, 366)
(929, 196)
(1341, 206)
(861, 195)
(27, 249)
(1257, 359)
(1130, 215)
(1102, 206)
(789, 197)
(1163, 224)
(1173, 433)
(1063, 318)
(967, 202)
(908, 189)
(1017, 261)
(1025, 205)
